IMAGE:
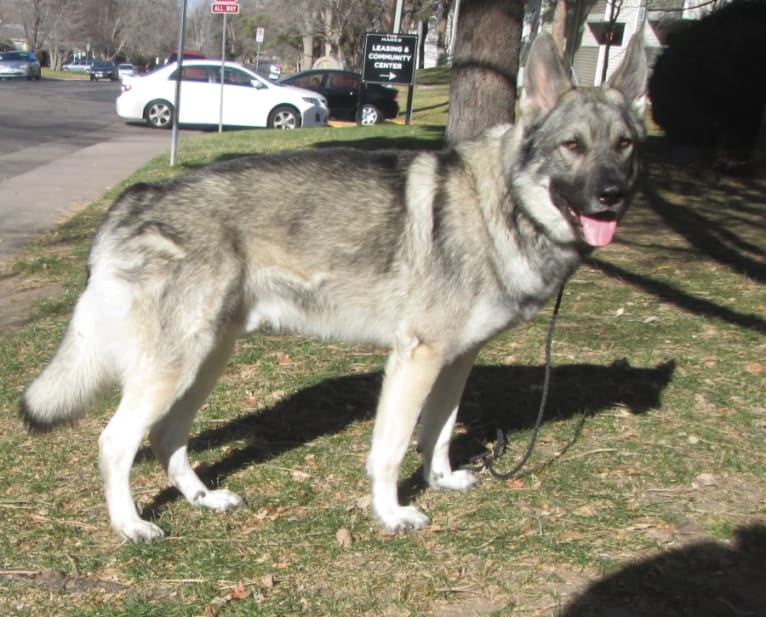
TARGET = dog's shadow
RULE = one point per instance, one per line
(496, 397)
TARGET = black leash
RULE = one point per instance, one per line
(487, 460)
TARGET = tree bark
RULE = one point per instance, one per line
(758, 160)
(559, 26)
(485, 67)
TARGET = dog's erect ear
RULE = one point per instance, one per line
(545, 79)
(630, 78)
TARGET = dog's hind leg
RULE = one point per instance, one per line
(169, 436)
(411, 371)
(437, 422)
(161, 396)
(145, 398)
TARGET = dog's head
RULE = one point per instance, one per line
(582, 142)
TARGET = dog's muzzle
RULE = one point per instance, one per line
(595, 212)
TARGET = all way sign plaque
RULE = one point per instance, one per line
(228, 8)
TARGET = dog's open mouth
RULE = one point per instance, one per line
(597, 229)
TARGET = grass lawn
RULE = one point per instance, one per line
(646, 495)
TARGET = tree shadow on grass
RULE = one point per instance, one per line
(708, 579)
(495, 397)
(721, 217)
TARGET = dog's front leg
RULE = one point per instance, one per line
(437, 421)
(411, 371)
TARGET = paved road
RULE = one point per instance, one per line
(61, 146)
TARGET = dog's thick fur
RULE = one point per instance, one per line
(429, 254)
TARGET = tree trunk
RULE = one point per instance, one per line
(559, 26)
(307, 60)
(759, 153)
(485, 67)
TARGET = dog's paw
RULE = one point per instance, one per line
(219, 500)
(138, 530)
(460, 480)
(402, 518)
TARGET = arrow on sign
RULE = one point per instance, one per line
(389, 75)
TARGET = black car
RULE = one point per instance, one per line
(103, 69)
(341, 89)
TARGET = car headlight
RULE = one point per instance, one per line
(315, 100)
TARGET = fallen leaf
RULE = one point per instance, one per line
(250, 403)
(706, 479)
(239, 592)
(343, 538)
(755, 368)
(362, 503)
(281, 565)
(266, 581)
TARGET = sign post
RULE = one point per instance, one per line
(259, 34)
(225, 7)
(223, 65)
(177, 99)
(390, 59)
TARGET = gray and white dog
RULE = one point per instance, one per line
(429, 254)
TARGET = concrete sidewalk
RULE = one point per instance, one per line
(34, 202)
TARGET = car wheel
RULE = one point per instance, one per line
(284, 117)
(159, 114)
(369, 115)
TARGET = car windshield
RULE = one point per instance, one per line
(103, 65)
(14, 55)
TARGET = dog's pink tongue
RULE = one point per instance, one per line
(596, 231)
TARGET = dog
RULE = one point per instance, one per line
(430, 254)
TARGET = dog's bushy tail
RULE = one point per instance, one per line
(73, 379)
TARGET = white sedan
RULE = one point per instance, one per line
(248, 100)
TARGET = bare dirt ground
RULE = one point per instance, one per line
(18, 295)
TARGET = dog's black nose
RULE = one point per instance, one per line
(611, 195)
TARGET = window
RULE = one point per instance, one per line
(311, 82)
(195, 73)
(605, 32)
(236, 77)
(340, 81)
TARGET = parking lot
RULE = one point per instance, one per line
(61, 146)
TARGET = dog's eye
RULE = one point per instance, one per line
(624, 143)
(573, 145)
